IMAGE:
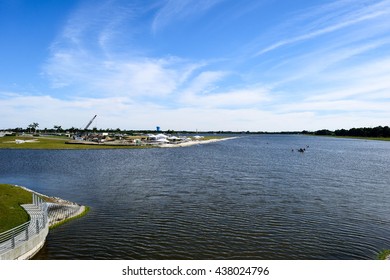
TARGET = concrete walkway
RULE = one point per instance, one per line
(26, 240)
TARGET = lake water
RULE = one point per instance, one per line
(245, 198)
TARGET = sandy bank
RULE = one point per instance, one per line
(194, 142)
(124, 143)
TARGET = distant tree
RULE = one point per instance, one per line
(323, 132)
(341, 132)
(376, 132)
(58, 128)
(355, 132)
(386, 131)
(33, 126)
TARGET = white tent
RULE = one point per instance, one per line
(162, 140)
(161, 136)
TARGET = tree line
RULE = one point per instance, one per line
(377, 132)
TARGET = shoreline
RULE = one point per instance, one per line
(148, 145)
(61, 204)
(44, 143)
(195, 142)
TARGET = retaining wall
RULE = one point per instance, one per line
(27, 249)
(25, 241)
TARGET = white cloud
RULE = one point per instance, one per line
(336, 105)
(234, 99)
(118, 76)
(126, 114)
(115, 112)
(138, 78)
(204, 91)
(176, 10)
(328, 61)
(347, 16)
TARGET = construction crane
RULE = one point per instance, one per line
(79, 135)
(90, 122)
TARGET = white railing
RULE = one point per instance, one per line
(23, 238)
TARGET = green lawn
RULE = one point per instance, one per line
(11, 213)
(365, 138)
(383, 254)
(355, 137)
(49, 143)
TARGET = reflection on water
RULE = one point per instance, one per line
(247, 198)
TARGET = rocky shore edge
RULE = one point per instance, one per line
(58, 210)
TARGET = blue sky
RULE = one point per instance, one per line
(195, 64)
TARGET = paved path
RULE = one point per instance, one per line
(28, 230)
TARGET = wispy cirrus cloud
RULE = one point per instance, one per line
(335, 61)
(332, 52)
(344, 14)
(81, 56)
(203, 92)
(78, 59)
(369, 81)
(177, 10)
(119, 77)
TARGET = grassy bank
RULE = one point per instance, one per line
(365, 138)
(356, 137)
(11, 213)
(86, 210)
(383, 254)
(51, 143)
(353, 137)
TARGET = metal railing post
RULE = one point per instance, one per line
(37, 226)
(13, 239)
(27, 237)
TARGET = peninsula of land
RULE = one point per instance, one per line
(102, 141)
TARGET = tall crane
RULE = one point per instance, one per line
(80, 134)
(90, 122)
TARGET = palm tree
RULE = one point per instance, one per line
(33, 126)
(57, 128)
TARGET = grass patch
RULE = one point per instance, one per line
(383, 254)
(86, 210)
(11, 213)
(357, 137)
(51, 143)
(370, 138)
(212, 137)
